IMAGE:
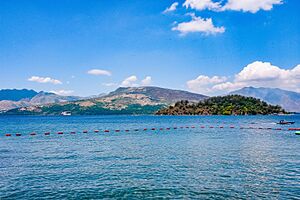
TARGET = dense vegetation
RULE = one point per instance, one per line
(225, 105)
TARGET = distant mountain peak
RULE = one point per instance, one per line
(160, 94)
(16, 94)
(287, 99)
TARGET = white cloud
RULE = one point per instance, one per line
(63, 92)
(198, 24)
(202, 5)
(130, 81)
(39, 79)
(98, 72)
(171, 8)
(203, 84)
(146, 81)
(251, 5)
(260, 71)
(237, 5)
(256, 74)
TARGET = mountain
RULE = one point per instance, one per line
(25, 98)
(48, 98)
(290, 101)
(16, 95)
(225, 105)
(130, 100)
(160, 94)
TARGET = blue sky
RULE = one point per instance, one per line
(204, 46)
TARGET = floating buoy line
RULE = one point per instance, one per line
(155, 129)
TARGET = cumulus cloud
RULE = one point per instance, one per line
(204, 84)
(146, 81)
(251, 5)
(171, 8)
(39, 79)
(99, 72)
(202, 5)
(198, 24)
(63, 92)
(256, 74)
(130, 81)
(237, 5)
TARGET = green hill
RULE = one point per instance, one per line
(225, 105)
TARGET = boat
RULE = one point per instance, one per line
(283, 122)
(66, 113)
(297, 132)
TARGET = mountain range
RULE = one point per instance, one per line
(290, 101)
(11, 99)
(126, 100)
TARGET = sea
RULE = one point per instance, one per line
(149, 157)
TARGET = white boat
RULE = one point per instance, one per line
(66, 113)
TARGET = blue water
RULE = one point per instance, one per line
(187, 163)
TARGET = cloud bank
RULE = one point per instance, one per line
(256, 74)
(251, 6)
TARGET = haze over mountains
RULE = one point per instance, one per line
(286, 99)
(10, 99)
(126, 100)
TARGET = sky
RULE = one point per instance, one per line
(88, 47)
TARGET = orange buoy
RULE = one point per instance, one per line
(231, 126)
(127, 130)
(161, 129)
(117, 130)
(221, 126)
(8, 134)
(168, 128)
(33, 133)
(145, 129)
(202, 126)
(85, 131)
(60, 133)
(294, 129)
(96, 131)
(106, 131)
(47, 133)
(72, 132)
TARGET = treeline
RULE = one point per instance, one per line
(223, 105)
(75, 109)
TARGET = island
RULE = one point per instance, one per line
(223, 105)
